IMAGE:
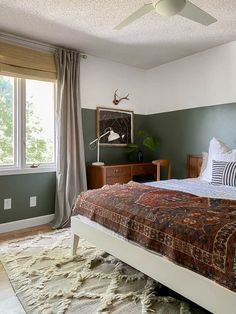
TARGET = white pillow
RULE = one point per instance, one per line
(204, 163)
(228, 156)
(215, 147)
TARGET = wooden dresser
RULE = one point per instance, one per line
(117, 173)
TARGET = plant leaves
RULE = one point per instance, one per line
(150, 142)
(131, 148)
(142, 133)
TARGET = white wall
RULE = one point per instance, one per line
(204, 79)
(100, 78)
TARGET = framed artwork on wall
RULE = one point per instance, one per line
(119, 121)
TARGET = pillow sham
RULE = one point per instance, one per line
(228, 156)
(224, 173)
(215, 147)
(204, 163)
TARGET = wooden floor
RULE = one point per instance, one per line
(9, 303)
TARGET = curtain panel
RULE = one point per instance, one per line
(71, 171)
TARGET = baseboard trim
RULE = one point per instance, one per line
(25, 223)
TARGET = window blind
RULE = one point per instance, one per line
(23, 62)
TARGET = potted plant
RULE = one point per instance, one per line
(146, 140)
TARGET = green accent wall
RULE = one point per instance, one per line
(19, 188)
(189, 131)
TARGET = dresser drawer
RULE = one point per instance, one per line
(98, 176)
(145, 169)
(118, 171)
(120, 179)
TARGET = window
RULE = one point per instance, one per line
(27, 129)
(7, 121)
(39, 122)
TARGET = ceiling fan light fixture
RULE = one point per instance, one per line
(169, 7)
(184, 8)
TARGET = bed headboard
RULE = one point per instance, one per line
(194, 163)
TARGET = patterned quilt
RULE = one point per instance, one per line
(197, 233)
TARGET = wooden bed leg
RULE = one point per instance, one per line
(75, 241)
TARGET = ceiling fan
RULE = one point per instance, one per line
(184, 8)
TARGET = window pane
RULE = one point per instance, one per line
(39, 122)
(6, 120)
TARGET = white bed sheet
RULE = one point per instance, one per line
(197, 187)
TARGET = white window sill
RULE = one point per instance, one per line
(8, 172)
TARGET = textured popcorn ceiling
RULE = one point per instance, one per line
(88, 25)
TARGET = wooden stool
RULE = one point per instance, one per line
(162, 163)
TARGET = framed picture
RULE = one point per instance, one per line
(119, 121)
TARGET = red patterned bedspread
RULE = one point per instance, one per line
(195, 232)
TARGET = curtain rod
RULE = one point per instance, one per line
(31, 43)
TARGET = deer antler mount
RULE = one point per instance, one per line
(118, 99)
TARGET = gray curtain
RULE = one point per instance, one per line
(71, 173)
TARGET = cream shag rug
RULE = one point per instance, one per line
(47, 279)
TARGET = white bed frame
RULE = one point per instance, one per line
(189, 284)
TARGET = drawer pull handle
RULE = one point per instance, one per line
(116, 171)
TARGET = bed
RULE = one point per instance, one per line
(216, 294)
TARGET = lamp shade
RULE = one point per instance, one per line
(113, 136)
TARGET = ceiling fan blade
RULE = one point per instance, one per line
(194, 13)
(136, 15)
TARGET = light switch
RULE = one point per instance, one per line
(33, 201)
(7, 203)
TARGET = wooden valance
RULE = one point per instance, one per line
(20, 61)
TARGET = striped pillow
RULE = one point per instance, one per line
(224, 173)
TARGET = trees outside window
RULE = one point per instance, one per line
(27, 132)
(6, 121)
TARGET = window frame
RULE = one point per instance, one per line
(19, 122)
